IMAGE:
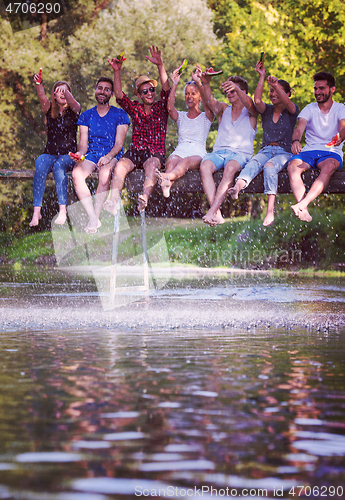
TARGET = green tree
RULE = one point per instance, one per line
(298, 38)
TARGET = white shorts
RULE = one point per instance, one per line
(189, 149)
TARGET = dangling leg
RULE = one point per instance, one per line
(43, 166)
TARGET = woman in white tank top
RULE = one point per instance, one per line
(193, 127)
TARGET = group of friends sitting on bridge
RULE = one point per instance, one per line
(103, 130)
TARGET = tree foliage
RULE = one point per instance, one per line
(76, 48)
(298, 38)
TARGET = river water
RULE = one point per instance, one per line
(223, 384)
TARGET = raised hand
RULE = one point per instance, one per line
(38, 77)
(196, 76)
(155, 56)
(204, 77)
(229, 86)
(260, 68)
(115, 63)
(175, 76)
(272, 81)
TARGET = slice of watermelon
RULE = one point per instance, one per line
(212, 72)
(121, 57)
(77, 157)
(183, 66)
(333, 141)
(39, 79)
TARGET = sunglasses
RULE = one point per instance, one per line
(146, 91)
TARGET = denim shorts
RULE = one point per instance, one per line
(221, 157)
(95, 156)
(314, 157)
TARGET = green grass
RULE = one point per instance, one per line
(28, 248)
(240, 242)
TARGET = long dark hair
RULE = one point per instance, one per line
(55, 107)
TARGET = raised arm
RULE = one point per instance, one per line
(175, 78)
(207, 98)
(121, 131)
(73, 104)
(196, 77)
(44, 101)
(289, 105)
(116, 64)
(260, 68)
(297, 134)
(245, 99)
(157, 60)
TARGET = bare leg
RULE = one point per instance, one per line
(271, 185)
(269, 218)
(239, 185)
(164, 177)
(35, 217)
(79, 174)
(213, 216)
(123, 167)
(327, 169)
(295, 171)
(150, 167)
(207, 169)
(61, 218)
(104, 178)
(176, 168)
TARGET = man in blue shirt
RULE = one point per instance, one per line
(102, 134)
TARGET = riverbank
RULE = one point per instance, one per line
(240, 243)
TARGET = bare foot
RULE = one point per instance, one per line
(268, 220)
(61, 218)
(213, 219)
(92, 227)
(233, 192)
(304, 215)
(301, 213)
(142, 202)
(159, 176)
(166, 185)
(295, 209)
(164, 182)
(110, 206)
(35, 220)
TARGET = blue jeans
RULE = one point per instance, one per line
(59, 165)
(275, 155)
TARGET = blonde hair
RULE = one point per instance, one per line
(55, 107)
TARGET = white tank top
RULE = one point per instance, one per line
(237, 136)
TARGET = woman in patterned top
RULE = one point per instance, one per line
(61, 113)
(193, 126)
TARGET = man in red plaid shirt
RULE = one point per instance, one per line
(149, 122)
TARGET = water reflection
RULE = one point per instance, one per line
(103, 413)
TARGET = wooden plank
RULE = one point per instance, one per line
(191, 182)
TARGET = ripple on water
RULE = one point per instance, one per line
(48, 456)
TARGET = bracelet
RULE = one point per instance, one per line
(295, 140)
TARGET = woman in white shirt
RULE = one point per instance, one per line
(193, 126)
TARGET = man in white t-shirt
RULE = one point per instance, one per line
(321, 121)
(234, 144)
